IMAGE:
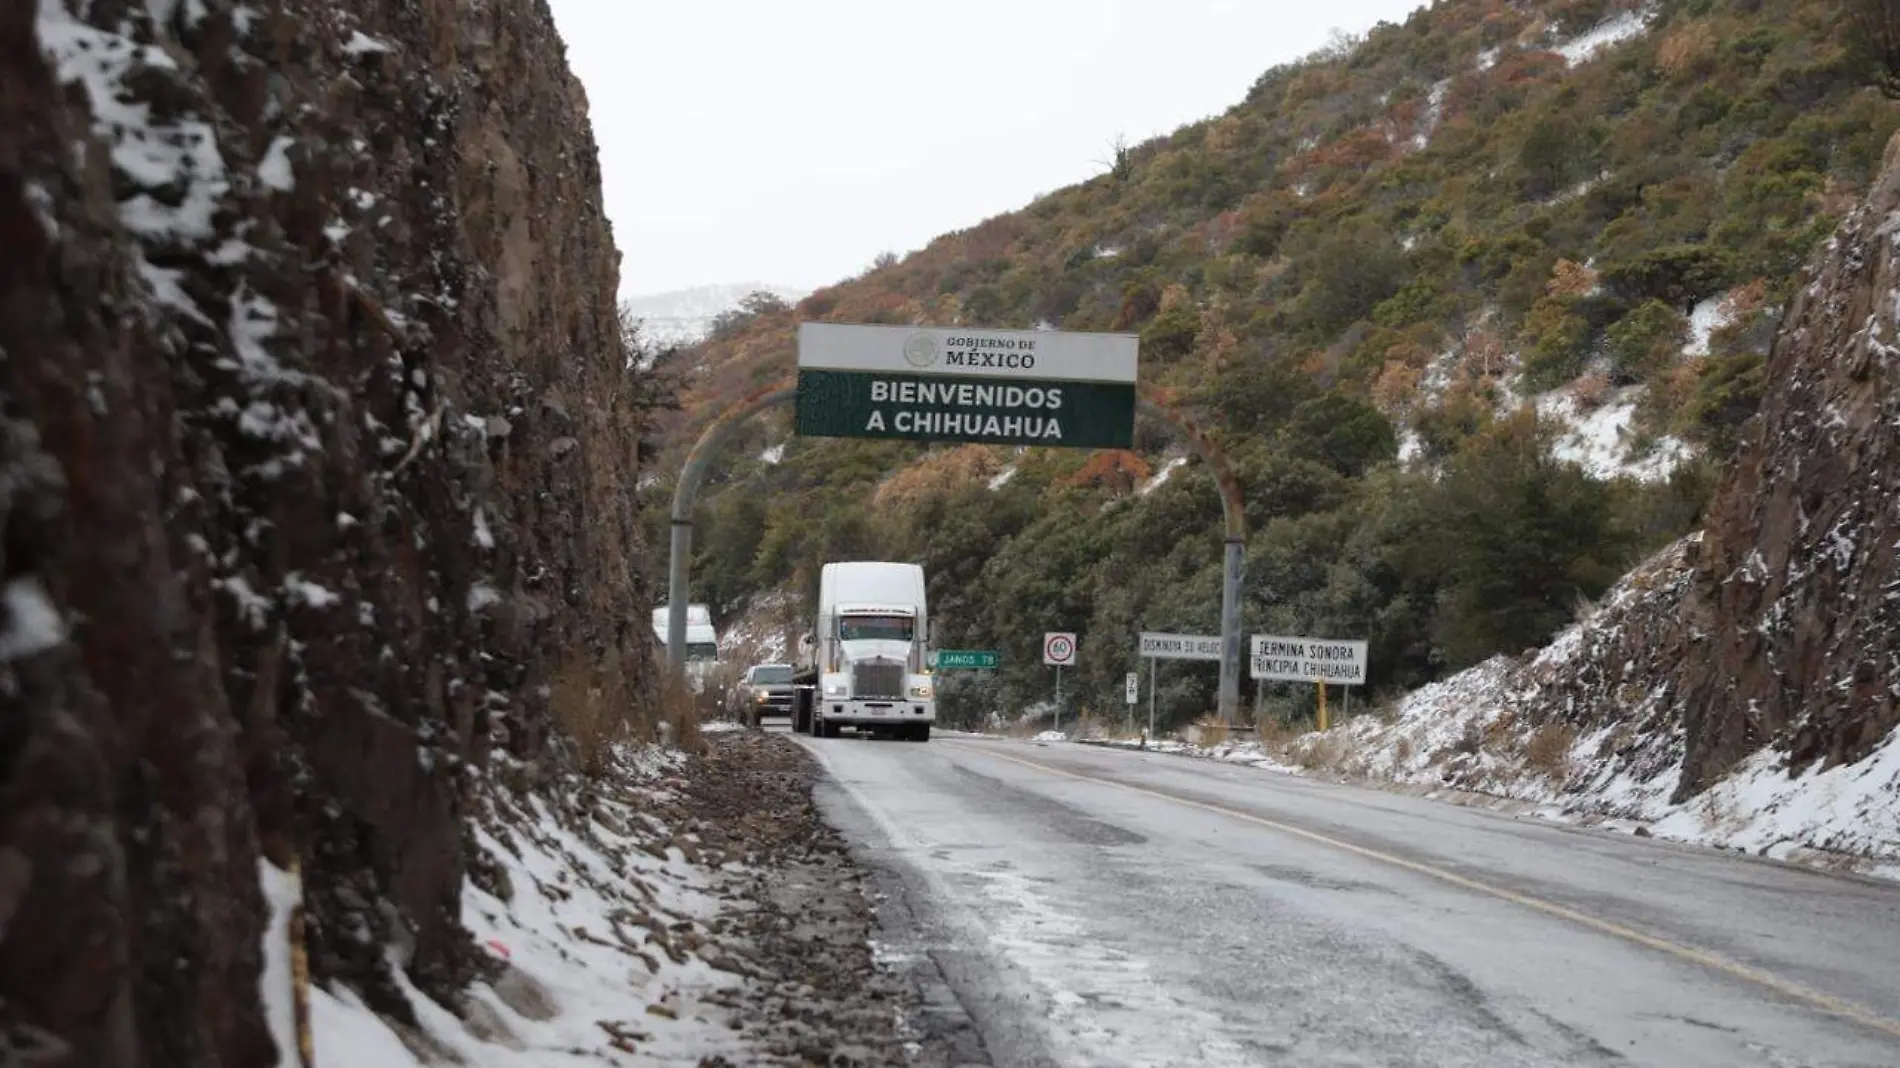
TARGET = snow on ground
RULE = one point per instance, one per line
(1002, 478)
(1250, 753)
(32, 624)
(1709, 316)
(1486, 736)
(1050, 736)
(1434, 110)
(1851, 808)
(598, 917)
(758, 636)
(1411, 446)
(1601, 440)
(1605, 34)
(1160, 477)
(774, 454)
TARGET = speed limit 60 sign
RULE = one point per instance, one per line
(1058, 650)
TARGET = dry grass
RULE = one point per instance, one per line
(1547, 751)
(1210, 731)
(1591, 391)
(592, 704)
(681, 711)
(1273, 734)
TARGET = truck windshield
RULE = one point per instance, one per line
(768, 676)
(702, 651)
(875, 628)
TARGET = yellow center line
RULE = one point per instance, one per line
(1794, 991)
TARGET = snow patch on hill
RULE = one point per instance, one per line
(685, 316)
(1162, 475)
(1604, 35)
(1601, 438)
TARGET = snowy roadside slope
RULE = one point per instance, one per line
(1556, 735)
(1584, 745)
(599, 916)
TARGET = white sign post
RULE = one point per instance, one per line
(1134, 696)
(1315, 660)
(1159, 646)
(1058, 650)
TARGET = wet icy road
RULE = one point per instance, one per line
(1093, 907)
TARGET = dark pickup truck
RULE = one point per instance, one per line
(764, 690)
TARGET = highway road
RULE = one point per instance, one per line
(1071, 905)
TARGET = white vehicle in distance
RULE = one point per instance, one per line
(702, 642)
(866, 659)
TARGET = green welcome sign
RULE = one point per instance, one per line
(999, 387)
(965, 660)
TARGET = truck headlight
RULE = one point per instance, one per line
(834, 689)
(759, 696)
(921, 689)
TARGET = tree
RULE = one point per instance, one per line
(1646, 341)
(1348, 276)
(1341, 431)
(1519, 539)
(1875, 33)
(752, 307)
(1547, 157)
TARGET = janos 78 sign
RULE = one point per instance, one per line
(1003, 387)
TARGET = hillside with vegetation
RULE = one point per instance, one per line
(1477, 306)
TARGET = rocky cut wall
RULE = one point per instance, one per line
(1779, 624)
(317, 454)
(1793, 618)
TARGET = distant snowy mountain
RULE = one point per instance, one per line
(686, 315)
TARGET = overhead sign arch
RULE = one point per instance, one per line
(1142, 399)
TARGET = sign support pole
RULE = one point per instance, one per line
(1322, 704)
(1058, 697)
(1151, 697)
(1230, 630)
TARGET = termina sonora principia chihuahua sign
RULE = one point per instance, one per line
(998, 387)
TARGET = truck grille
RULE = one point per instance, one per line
(877, 680)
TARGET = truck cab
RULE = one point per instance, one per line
(702, 643)
(868, 662)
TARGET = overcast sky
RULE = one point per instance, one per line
(788, 142)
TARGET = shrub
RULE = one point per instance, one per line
(1678, 275)
(1547, 750)
(1727, 394)
(1646, 341)
(1555, 341)
(1171, 334)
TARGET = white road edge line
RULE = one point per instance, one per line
(1795, 991)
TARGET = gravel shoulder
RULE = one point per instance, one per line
(808, 917)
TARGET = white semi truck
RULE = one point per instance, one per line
(702, 642)
(864, 665)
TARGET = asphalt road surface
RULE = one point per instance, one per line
(1081, 906)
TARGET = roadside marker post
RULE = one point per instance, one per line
(1322, 704)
